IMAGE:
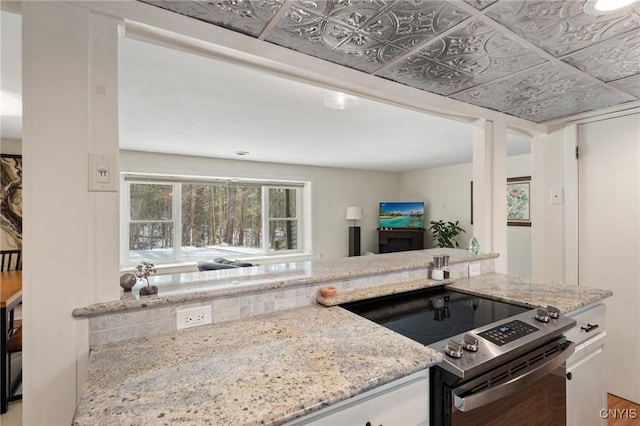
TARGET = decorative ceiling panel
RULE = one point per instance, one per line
(610, 60)
(423, 73)
(539, 60)
(630, 85)
(587, 99)
(414, 22)
(480, 4)
(482, 52)
(248, 17)
(305, 30)
(535, 84)
(561, 27)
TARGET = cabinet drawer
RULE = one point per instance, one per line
(587, 320)
(404, 402)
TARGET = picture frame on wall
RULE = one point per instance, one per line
(11, 201)
(519, 201)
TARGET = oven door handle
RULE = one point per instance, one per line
(517, 384)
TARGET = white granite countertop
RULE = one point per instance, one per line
(525, 292)
(193, 286)
(267, 369)
(273, 368)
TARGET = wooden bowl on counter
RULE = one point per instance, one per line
(328, 291)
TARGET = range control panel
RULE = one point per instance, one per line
(508, 332)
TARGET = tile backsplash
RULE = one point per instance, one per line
(135, 323)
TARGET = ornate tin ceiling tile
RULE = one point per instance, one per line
(630, 85)
(423, 73)
(480, 4)
(309, 33)
(482, 52)
(245, 16)
(610, 60)
(414, 22)
(538, 83)
(561, 27)
(328, 8)
(367, 56)
(587, 99)
(527, 18)
(473, 62)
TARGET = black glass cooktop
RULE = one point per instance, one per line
(430, 315)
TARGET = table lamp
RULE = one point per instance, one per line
(354, 213)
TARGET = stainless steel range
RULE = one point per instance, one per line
(503, 364)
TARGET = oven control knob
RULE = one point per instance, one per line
(453, 349)
(470, 343)
(553, 311)
(542, 315)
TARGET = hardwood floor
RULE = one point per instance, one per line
(622, 412)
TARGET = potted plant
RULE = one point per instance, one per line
(445, 232)
(142, 271)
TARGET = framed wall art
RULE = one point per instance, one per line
(10, 202)
(519, 201)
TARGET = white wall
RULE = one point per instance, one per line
(547, 237)
(10, 146)
(333, 191)
(446, 192)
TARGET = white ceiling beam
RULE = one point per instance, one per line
(154, 24)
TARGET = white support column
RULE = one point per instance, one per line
(70, 235)
(489, 188)
(570, 219)
(537, 209)
(482, 136)
(499, 182)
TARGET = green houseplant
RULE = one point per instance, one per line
(445, 232)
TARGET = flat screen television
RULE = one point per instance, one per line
(404, 215)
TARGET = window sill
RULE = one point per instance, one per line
(190, 266)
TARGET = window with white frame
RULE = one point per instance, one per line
(173, 219)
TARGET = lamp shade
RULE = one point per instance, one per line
(354, 213)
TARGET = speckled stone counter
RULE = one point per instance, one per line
(370, 293)
(525, 292)
(266, 369)
(194, 286)
(274, 368)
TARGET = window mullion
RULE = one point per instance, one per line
(266, 222)
(125, 212)
(177, 221)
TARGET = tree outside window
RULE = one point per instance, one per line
(180, 221)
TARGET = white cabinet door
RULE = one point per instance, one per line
(609, 239)
(586, 391)
(404, 402)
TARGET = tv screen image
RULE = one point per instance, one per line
(401, 215)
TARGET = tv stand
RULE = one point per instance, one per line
(400, 239)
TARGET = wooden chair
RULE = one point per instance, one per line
(14, 344)
(11, 259)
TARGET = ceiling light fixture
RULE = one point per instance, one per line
(337, 100)
(602, 7)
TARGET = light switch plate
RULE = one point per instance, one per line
(102, 173)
